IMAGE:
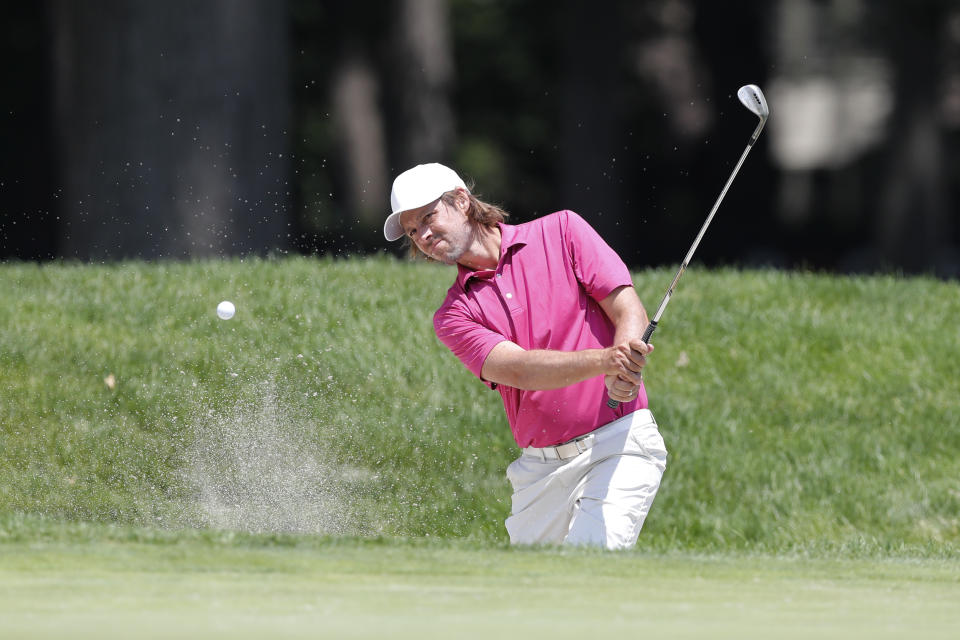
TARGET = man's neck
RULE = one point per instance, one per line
(485, 252)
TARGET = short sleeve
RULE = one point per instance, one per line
(596, 265)
(469, 340)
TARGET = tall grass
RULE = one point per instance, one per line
(801, 411)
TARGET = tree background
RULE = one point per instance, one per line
(235, 127)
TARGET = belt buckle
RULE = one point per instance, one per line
(581, 444)
(585, 443)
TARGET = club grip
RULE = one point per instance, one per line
(649, 332)
(646, 338)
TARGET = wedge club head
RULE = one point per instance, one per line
(752, 98)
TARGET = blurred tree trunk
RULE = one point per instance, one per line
(397, 85)
(422, 73)
(27, 202)
(592, 47)
(913, 224)
(171, 124)
(361, 138)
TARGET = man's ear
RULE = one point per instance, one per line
(462, 200)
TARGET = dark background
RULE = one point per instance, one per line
(138, 129)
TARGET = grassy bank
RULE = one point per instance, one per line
(803, 412)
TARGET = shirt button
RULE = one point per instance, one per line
(509, 296)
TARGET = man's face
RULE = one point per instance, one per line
(440, 230)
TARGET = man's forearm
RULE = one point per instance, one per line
(511, 365)
(626, 312)
(629, 319)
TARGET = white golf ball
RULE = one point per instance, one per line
(226, 310)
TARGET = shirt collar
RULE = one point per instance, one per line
(511, 238)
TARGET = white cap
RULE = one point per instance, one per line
(415, 188)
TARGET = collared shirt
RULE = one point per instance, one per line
(544, 294)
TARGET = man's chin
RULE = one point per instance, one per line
(447, 257)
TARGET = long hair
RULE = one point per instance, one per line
(480, 213)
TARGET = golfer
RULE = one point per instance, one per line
(545, 313)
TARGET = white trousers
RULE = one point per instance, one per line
(600, 497)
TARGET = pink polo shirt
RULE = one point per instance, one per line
(543, 294)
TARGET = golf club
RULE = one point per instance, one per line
(752, 98)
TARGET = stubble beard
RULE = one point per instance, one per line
(455, 250)
(453, 256)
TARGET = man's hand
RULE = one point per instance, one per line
(624, 367)
(628, 355)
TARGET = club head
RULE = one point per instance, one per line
(752, 98)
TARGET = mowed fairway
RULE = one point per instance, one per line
(360, 589)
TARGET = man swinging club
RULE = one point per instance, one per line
(545, 313)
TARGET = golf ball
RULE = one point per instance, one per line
(226, 310)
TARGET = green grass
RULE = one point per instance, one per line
(96, 581)
(321, 466)
(802, 411)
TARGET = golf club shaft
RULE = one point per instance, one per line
(716, 205)
(696, 243)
